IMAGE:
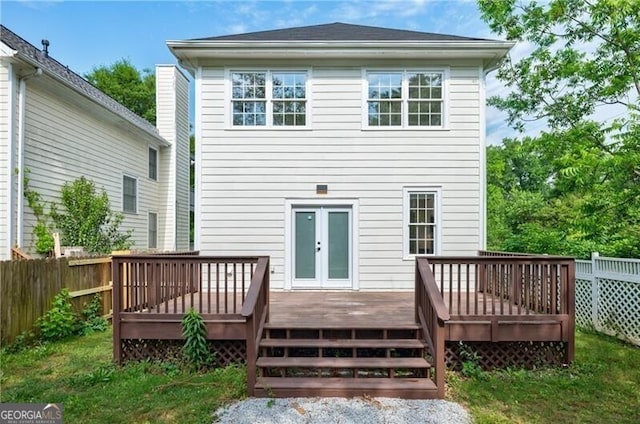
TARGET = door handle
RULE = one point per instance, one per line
(318, 247)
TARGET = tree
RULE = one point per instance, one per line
(86, 219)
(583, 169)
(133, 88)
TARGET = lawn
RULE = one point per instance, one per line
(602, 386)
(80, 374)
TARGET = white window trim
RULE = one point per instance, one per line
(437, 190)
(289, 204)
(137, 193)
(405, 89)
(157, 228)
(228, 110)
(157, 178)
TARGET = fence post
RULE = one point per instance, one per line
(594, 290)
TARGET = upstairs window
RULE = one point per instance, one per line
(153, 164)
(249, 98)
(405, 99)
(269, 99)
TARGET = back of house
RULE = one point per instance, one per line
(341, 151)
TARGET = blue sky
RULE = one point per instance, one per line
(85, 34)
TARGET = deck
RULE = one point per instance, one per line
(490, 304)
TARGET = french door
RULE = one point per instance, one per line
(322, 247)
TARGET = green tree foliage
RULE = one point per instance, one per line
(575, 188)
(86, 219)
(133, 88)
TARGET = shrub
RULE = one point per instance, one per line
(196, 349)
(86, 219)
(60, 321)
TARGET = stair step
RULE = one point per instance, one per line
(408, 388)
(345, 343)
(301, 325)
(387, 363)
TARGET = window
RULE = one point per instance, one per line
(269, 99)
(153, 230)
(421, 222)
(405, 99)
(129, 194)
(153, 163)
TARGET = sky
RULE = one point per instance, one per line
(85, 34)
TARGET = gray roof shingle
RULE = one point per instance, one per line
(30, 53)
(338, 31)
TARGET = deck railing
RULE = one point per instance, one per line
(174, 283)
(256, 311)
(506, 285)
(431, 313)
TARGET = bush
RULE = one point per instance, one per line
(60, 321)
(86, 219)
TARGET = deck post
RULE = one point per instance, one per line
(571, 310)
(116, 303)
(251, 354)
(439, 357)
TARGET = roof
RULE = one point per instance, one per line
(336, 41)
(338, 31)
(50, 66)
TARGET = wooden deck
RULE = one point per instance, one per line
(490, 303)
(332, 308)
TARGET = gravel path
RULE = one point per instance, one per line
(344, 411)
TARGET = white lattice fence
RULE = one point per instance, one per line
(608, 296)
(583, 303)
(619, 309)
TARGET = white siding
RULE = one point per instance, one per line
(172, 95)
(5, 92)
(66, 139)
(247, 173)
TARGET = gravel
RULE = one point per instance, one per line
(363, 410)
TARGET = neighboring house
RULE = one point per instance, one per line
(341, 151)
(59, 127)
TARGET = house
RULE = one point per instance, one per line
(340, 151)
(350, 158)
(56, 127)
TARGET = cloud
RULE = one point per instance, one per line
(40, 4)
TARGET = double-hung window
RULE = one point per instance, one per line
(153, 164)
(269, 99)
(153, 230)
(421, 222)
(405, 99)
(129, 194)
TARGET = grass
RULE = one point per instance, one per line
(601, 386)
(80, 374)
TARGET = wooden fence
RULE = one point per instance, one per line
(608, 296)
(27, 288)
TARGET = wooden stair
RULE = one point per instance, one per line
(304, 360)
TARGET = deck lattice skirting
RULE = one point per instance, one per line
(225, 352)
(511, 311)
(500, 355)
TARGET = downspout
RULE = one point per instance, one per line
(10, 167)
(22, 92)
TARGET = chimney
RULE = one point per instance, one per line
(172, 121)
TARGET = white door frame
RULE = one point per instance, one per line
(290, 204)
